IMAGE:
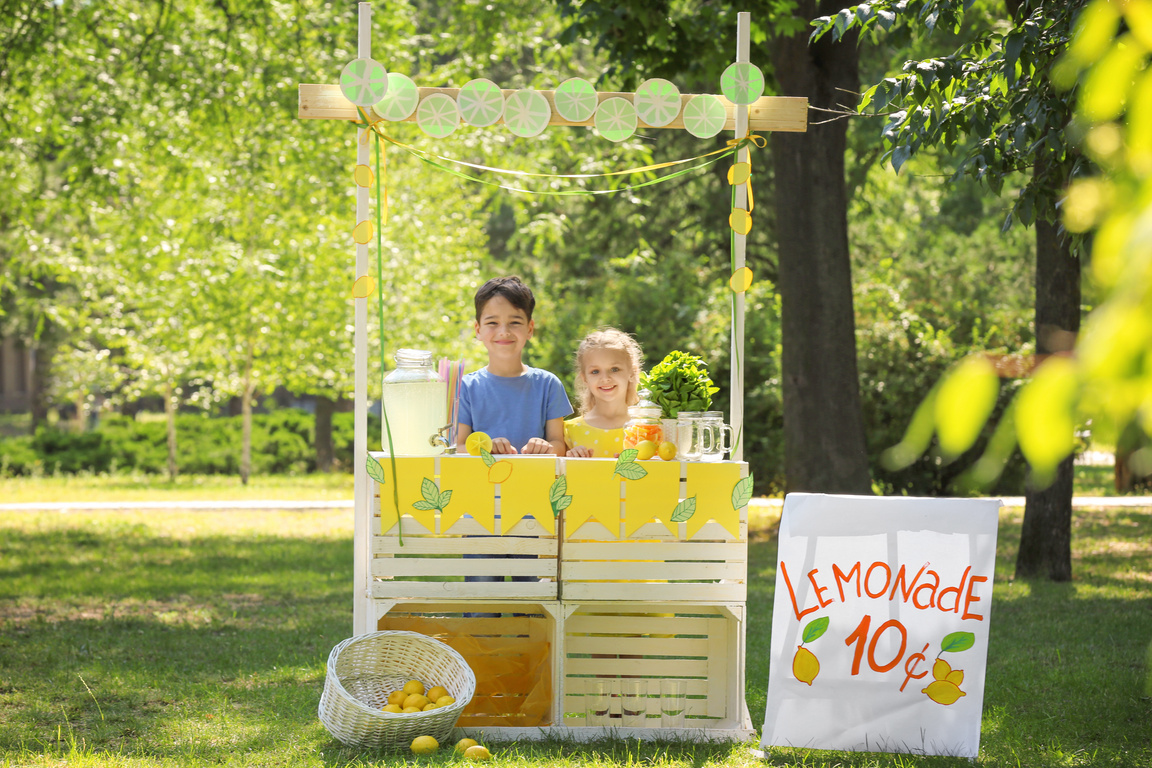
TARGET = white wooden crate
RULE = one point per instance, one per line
(512, 648)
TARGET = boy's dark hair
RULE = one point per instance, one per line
(510, 287)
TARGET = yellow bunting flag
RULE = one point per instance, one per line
(595, 491)
(653, 496)
(472, 494)
(362, 234)
(712, 486)
(363, 287)
(411, 471)
(526, 492)
(363, 175)
(740, 221)
(741, 280)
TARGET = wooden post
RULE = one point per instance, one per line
(361, 616)
(736, 378)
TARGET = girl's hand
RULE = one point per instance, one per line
(537, 445)
(501, 445)
(580, 452)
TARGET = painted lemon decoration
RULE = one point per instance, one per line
(500, 472)
(805, 665)
(476, 442)
(424, 745)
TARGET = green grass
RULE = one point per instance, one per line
(174, 639)
(143, 487)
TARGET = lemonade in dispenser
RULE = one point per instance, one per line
(415, 401)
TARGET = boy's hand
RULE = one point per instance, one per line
(501, 445)
(538, 445)
(580, 452)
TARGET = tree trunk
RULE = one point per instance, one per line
(325, 453)
(824, 445)
(1046, 536)
(40, 358)
(170, 418)
(246, 413)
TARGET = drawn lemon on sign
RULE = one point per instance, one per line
(805, 665)
(945, 689)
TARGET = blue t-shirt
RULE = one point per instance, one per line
(515, 407)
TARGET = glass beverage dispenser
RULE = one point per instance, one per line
(416, 401)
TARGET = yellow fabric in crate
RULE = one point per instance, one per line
(525, 492)
(712, 486)
(412, 470)
(653, 496)
(472, 494)
(595, 494)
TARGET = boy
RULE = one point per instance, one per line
(521, 408)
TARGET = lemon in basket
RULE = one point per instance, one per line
(463, 744)
(424, 745)
(417, 700)
(477, 441)
(413, 686)
(393, 708)
(397, 698)
(436, 692)
(444, 701)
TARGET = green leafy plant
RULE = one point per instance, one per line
(679, 382)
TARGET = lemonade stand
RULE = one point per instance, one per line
(630, 617)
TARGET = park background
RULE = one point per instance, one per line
(177, 270)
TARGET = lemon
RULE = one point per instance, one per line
(444, 701)
(413, 686)
(393, 708)
(397, 698)
(646, 449)
(436, 692)
(805, 665)
(410, 710)
(477, 753)
(463, 744)
(943, 692)
(666, 451)
(417, 700)
(430, 706)
(424, 745)
(476, 441)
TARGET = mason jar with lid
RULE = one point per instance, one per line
(415, 401)
(643, 424)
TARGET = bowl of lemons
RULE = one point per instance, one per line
(385, 689)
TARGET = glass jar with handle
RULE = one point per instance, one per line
(719, 436)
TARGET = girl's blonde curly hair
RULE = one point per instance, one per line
(608, 338)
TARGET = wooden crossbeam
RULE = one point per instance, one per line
(768, 113)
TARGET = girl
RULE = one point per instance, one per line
(608, 365)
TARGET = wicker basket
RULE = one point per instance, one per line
(363, 670)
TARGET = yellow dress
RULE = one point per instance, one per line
(604, 443)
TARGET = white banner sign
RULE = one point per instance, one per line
(880, 624)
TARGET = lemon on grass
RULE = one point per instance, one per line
(477, 753)
(477, 441)
(463, 744)
(424, 745)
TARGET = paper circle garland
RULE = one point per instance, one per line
(616, 119)
(438, 116)
(526, 113)
(704, 116)
(740, 220)
(657, 102)
(401, 100)
(742, 83)
(481, 102)
(364, 82)
(741, 280)
(363, 175)
(576, 100)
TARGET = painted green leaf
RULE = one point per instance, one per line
(561, 504)
(443, 500)
(630, 470)
(742, 493)
(429, 491)
(375, 471)
(815, 628)
(487, 457)
(627, 455)
(957, 641)
(558, 489)
(423, 505)
(684, 510)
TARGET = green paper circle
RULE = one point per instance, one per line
(526, 113)
(742, 83)
(575, 100)
(481, 102)
(438, 115)
(364, 82)
(401, 101)
(704, 116)
(657, 102)
(616, 119)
